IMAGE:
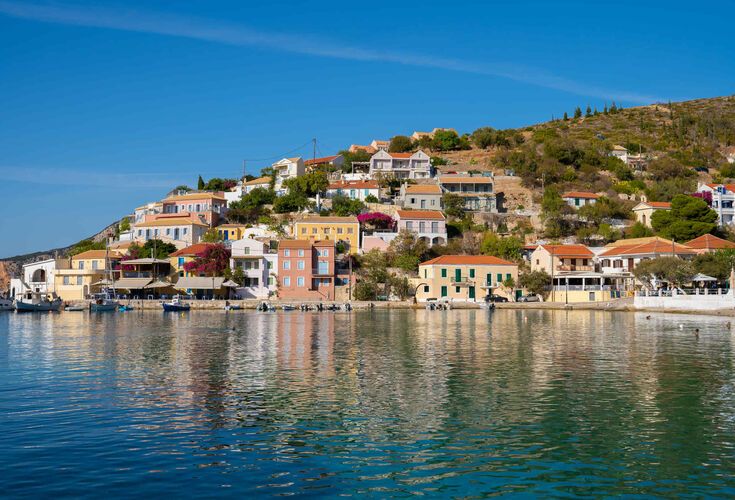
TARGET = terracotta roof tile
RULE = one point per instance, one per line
(420, 214)
(709, 242)
(191, 251)
(423, 189)
(580, 194)
(327, 220)
(569, 250)
(472, 260)
(319, 161)
(354, 185)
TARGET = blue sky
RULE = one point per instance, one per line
(106, 105)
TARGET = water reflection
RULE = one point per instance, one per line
(372, 402)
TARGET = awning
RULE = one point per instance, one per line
(199, 283)
(145, 261)
(132, 283)
(159, 284)
(230, 284)
(104, 282)
(703, 277)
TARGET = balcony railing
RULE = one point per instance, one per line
(321, 272)
(574, 268)
(462, 282)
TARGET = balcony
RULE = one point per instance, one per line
(575, 268)
(462, 282)
(322, 272)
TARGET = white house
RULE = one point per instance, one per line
(401, 165)
(578, 199)
(620, 152)
(182, 230)
(259, 266)
(429, 225)
(723, 201)
(328, 161)
(355, 190)
(287, 168)
(37, 277)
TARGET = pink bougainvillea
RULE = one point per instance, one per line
(705, 195)
(212, 261)
(377, 220)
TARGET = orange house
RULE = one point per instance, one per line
(306, 270)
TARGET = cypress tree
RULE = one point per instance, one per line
(566, 116)
(578, 112)
(200, 183)
(588, 111)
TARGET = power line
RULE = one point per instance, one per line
(281, 155)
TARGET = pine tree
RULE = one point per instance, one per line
(613, 108)
(578, 112)
(604, 110)
(588, 111)
(200, 183)
(596, 112)
(566, 116)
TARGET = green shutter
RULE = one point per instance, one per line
(472, 273)
(458, 274)
(444, 291)
(472, 292)
(500, 278)
(507, 277)
(444, 273)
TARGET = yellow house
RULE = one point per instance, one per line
(231, 232)
(180, 257)
(464, 278)
(338, 229)
(85, 270)
(645, 210)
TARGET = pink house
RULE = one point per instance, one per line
(306, 270)
(209, 206)
(429, 225)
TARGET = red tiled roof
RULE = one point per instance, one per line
(658, 204)
(420, 214)
(304, 243)
(569, 250)
(580, 194)
(709, 242)
(657, 246)
(319, 161)
(401, 155)
(191, 250)
(258, 181)
(354, 185)
(729, 187)
(423, 189)
(471, 260)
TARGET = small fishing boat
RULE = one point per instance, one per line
(175, 304)
(6, 305)
(76, 308)
(102, 302)
(38, 302)
(231, 307)
(123, 308)
(288, 307)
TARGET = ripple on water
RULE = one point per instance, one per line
(377, 403)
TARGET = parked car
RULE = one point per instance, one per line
(495, 298)
(530, 298)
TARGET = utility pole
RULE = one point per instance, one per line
(243, 170)
(313, 157)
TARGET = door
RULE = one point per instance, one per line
(472, 292)
(423, 203)
(444, 291)
(176, 233)
(489, 279)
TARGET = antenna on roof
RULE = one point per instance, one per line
(243, 169)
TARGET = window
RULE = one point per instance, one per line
(287, 253)
(499, 278)
(66, 280)
(81, 264)
(301, 252)
(472, 273)
(300, 265)
(444, 291)
(181, 262)
(425, 272)
(422, 227)
(456, 289)
(326, 230)
(286, 281)
(185, 230)
(325, 253)
(349, 230)
(94, 265)
(286, 264)
(300, 281)
(80, 280)
(434, 227)
(507, 276)
(303, 230)
(339, 230)
(444, 273)
(409, 225)
(426, 288)
(313, 230)
(537, 262)
(270, 264)
(271, 281)
(168, 231)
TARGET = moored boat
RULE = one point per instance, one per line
(76, 307)
(175, 304)
(38, 302)
(103, 302)
(6, 305)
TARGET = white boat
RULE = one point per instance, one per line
(38, 302)
(6, 305)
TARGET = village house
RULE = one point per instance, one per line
(355, 190)
(231, 232)
(723, 201)
(401, 165)
(149, 209)
(428, 225)
(465, 278)
(196, 284)
(379, 145)
(578, 199)
(416, 136)
(180, 258)
(180, 229)
(620, 153)
(38, 277)
(476, 191)
(335, 161)
(645, 210)
(421, 196)
(244, 187)
(344, 230)
(306, 270)
(287, 168)
(259, 265)
(86, 273)
(709, 243)
(623, 256)
(354, 148)
(210, 207)
(553, 259)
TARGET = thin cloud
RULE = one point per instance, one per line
(224, 33)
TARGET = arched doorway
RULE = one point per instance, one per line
(38, 276)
